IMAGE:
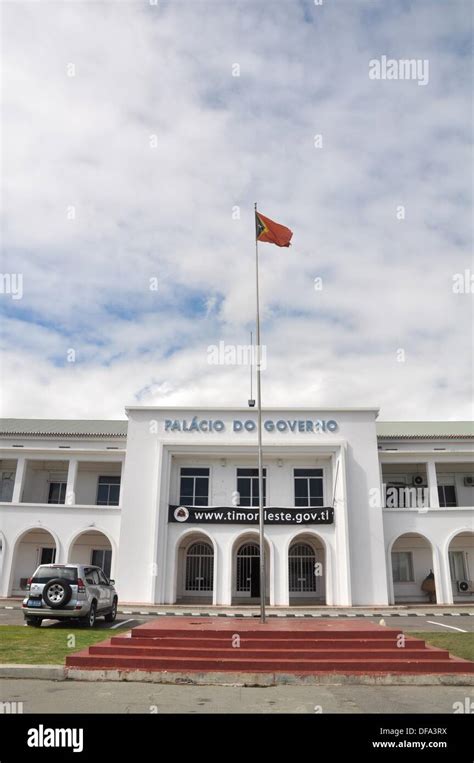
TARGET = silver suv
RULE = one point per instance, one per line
(71, 591)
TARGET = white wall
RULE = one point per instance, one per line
(280, 479)
(145, 545)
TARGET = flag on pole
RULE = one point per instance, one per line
(271, 232)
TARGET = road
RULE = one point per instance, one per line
(40, 696)
(441, 624)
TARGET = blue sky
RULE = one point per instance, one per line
(155, 143)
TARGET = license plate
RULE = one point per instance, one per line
(34, 602)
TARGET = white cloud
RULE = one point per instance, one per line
(165, 212)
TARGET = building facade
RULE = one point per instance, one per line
(357, 512)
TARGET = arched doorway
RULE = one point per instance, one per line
(36, 546)
(461, 566)
(306, 571)
(246, 571)
(412, 564)
(92, 547)
(195, 570)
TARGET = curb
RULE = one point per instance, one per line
(269, 679)
(46, 672)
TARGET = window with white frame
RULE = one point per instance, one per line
(402, 567)
(247, 487)
(308, 487)
(108, 491)
(194, 486)
(57, 488)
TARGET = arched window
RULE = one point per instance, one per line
(199, 567)
(301, 562)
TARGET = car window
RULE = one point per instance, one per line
(102, 579)
(92, 577)
(43, 574)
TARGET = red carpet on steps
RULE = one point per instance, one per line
(238, 645)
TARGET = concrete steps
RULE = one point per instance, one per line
(195, 645)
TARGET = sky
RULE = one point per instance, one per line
(137, 138)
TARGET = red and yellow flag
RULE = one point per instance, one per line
(271, 232)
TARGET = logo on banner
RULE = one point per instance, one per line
(181, 514)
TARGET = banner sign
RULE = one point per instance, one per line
(244, 515)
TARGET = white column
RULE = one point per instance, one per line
(282, 594)
(446, 577)
(432, 483)
(330, 576)
(19, 479)
(338, 589)
(390, 588)
(439, 583)
(270, 576)
(215, 573)
(224, 592)
(71, 482)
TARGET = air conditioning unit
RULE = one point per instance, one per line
(465, 586)
(418, 480)
(469, 481)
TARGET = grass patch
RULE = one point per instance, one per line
(457, 644)
(47, 646)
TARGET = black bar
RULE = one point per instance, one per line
(106, 737)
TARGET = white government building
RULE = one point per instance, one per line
(358, 512)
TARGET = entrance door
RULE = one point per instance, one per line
(199, 568)
(302, 573)
(248, 566)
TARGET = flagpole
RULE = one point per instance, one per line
(259, 428)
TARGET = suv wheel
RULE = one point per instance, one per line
(57, 593)
(35, 622)
(113, 614)
(89, 621)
